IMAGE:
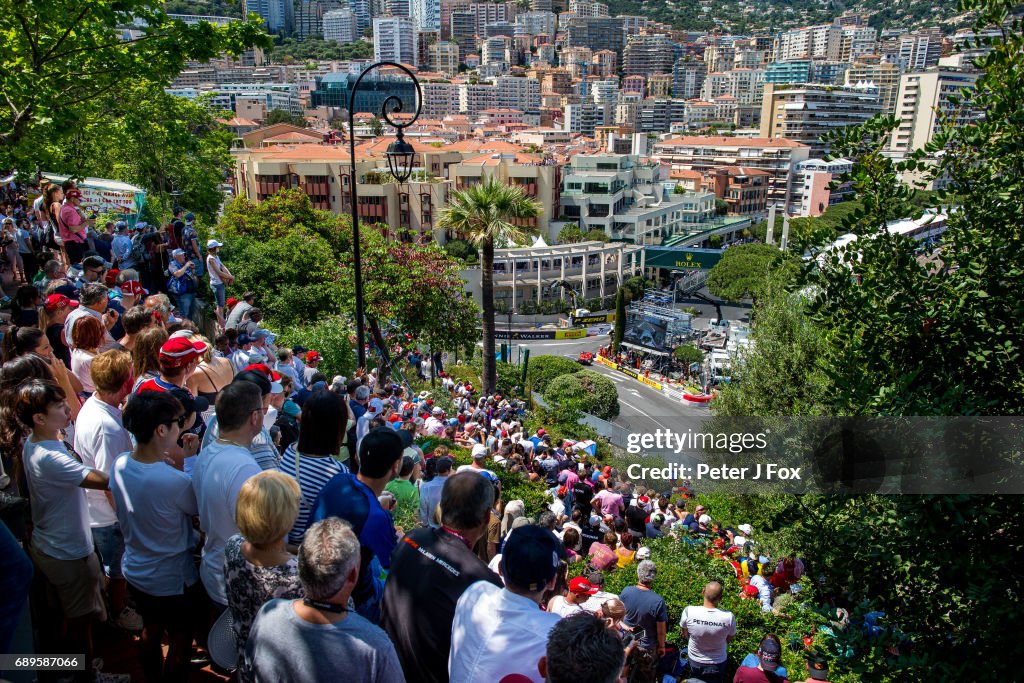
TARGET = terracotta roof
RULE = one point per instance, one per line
(238, 121)
(725, 141)
(292, 137)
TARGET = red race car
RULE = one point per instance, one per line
(585, 358)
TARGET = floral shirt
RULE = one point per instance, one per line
(249, 587)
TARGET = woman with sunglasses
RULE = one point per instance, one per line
(155, 505)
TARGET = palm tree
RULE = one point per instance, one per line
(486, 214)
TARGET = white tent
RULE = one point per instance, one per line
(539, 242)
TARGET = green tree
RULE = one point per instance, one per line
(688, 353)
(157, 141)
(544, 369)
(298, 260)
(61, 61)
(376, 127)
(570, 234)
(721, 207)
(587, 391)
(284, 116)
(635, 287)
(747, 270)
(462, 250)
(620, 319)
(487, 213)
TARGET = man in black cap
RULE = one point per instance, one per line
(499, 632)
(817, 668)
(768, 655)
(430, 570)
(354, 498)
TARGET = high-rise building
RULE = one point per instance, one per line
(805, 113)
(394, 40)
(649, 54)
(424, 41)
(309, 16)
(858, 41)
(576, 60)
(883, 75)
(399, 8)
(340, 25)
(921, 49)
(490, 13)
(813, 42)
(463, 32)
(444, 57)
(536, 23)
(720, 57)
(596, 33)
(923, 102)
(518, 93)
(361, 8)
(746, 85)
(688, 78)
(588, 8)
(426, 15)
(604, 64)
(494, 50)
(440, 99)
(279, 15)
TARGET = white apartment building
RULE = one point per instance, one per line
(284, 96)
(746, 85)
(824, 41)
(441, 100)
(629, 198)
(922, 102)
(474, 98)
(858, 41)
(340, 25)
(518, 93)
(426, 14)
(394, 40)
(494, 51)
(806, 113)
(536, 24)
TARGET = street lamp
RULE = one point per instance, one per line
(400, 156)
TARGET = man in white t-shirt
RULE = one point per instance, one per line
(100, 438)
(502, 632)
(219, 472)
(709, 629)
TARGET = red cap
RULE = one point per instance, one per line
(312, 356)
(57, 301)
(580, 585)
(110, 279)
(179, 351)
(133, 288)
(541, 432)
(231, 302)
(73, 194)
(608, 470)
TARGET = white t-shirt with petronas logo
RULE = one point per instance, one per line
(709, 632)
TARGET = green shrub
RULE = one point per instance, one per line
(543, 369)
(462, 250)
(331, 337)
(587, 391)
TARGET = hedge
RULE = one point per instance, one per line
(588, 391)
(544, 369)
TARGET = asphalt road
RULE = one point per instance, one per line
(641, 408)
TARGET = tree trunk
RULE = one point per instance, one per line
(489, 369)
(384, 367)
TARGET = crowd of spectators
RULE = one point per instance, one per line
(228, 498)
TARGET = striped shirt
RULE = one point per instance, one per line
(313, 474)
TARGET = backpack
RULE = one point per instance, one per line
(185, 284)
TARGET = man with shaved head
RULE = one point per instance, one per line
(709, 630)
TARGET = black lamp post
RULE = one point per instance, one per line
(400, 156)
